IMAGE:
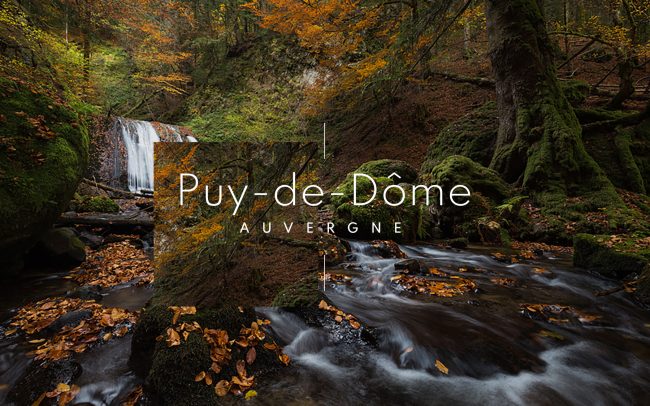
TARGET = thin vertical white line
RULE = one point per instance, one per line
(324, 274)
(323, 140)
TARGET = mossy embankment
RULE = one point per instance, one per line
(43, 155)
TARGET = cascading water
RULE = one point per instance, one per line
(138, 138)
(494, 354)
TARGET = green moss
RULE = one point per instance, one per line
(619, 156)
(575, 91)
(460, 170)
(590, 252)
(472, 136)
(640, 147)
(170, 377)
(383, 168)
(173, 370)
(100, 204)
(43, 155)
(304, 293)
(377, 211)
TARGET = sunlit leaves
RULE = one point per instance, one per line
(557, 314)
(454, 286)
(441, 367)
(113, 264)
(339, 315)
(180, 311)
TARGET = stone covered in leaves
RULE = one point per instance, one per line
(205, 354)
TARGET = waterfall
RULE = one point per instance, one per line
(138, 138)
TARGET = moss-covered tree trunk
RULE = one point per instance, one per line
(539, 143)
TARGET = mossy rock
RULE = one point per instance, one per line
(43, 155)
(377, 212)
(460, 170)
(170, 378)
(383, 168)
(100, 204)
(590, 252)
(472, 136)
(304, 293)
(59, 247)
(172, 373)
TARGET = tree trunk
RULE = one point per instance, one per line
(539, 144)
(626, 86)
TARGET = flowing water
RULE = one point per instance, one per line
(138, 138)
(106, 376)
(494, 352)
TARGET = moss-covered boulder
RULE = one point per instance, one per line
(170, 377)
(382, 168)
(460, 170)
(59, 247)
(472, 136)
(377, 212)
(100, 204)
(606, 254)
(487, 189)
(303, 293)
(43, 155)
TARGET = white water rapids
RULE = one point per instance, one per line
(139, 138)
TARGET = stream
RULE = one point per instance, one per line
(105, 377)
(495, 352)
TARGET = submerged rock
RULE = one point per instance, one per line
(40, 378)
(410, 266)
(387, 249)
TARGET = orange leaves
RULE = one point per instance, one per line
(251, 355)
(35, 317)
(181, 311)
(173, 339)
(557, 314)
(77, 339)
(65, 392)
(339, 315)
(112, 265)
(417, 284)
(101, 322)
(222, 387)
(441, 367)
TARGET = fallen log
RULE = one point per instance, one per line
(111, 189)
(488, 83)
(105, 219)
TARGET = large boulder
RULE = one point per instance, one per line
(383, 168)
(460, 170)
(472, 136)
(59, 247)
(487, 191)
(43, 155)
(377, 212)
(606, 255)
